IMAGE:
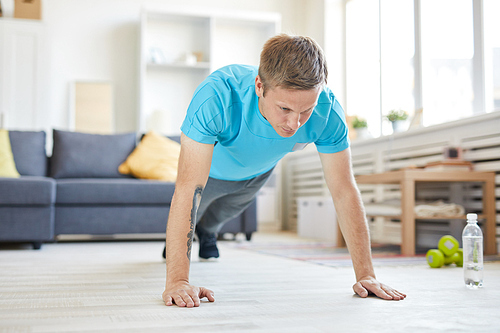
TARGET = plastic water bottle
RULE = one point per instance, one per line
(472, 240)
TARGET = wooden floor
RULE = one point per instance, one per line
(117, 286)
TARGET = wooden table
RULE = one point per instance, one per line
(408, 177)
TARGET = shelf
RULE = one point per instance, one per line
(169, 39)
(456, 217)
(179, 65)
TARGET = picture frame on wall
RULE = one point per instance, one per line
(92, 107)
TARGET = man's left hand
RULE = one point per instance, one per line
(370, 285)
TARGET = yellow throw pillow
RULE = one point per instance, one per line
(155, 157)
(7, 164)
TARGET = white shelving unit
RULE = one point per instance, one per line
(178, 50)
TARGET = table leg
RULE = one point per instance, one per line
(408, 217)
(489, 211)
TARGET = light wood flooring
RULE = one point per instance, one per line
(117, 286)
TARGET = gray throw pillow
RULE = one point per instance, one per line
(82, 155)
(29, 153)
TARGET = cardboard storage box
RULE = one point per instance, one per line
(28, 9)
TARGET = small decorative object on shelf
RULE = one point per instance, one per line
(199, 56)
(156, 56)
(398, 119)
(189, 58)
(361, 127)
(453, 153)
(28, 9)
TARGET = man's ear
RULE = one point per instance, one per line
(259, 87)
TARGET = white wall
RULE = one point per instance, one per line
(98, 40)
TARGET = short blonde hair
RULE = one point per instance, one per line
(292, 62)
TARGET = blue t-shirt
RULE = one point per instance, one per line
(224, 109)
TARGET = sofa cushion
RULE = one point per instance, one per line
(29, 152)
(155, 157)
(7, 165)
(113, 191)
(82, 155)
(27, 190)
(110, 220)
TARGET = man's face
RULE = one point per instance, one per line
(286, 109)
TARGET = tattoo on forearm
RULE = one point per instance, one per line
(194, 210)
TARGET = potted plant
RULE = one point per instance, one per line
(398, 119)
(361, 127)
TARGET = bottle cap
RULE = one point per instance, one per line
(471, 216)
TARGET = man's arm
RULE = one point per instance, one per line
(194, 167)
(352, 221)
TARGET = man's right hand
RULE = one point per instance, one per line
(193, 171)
(185, 295)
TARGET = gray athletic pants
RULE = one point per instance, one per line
(222, 200)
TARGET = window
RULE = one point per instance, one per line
(447, 51)
(362, 62)
(401, 59)
(379, 60)
(491, 11)
(397, 52)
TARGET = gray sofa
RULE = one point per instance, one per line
(78, 191)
